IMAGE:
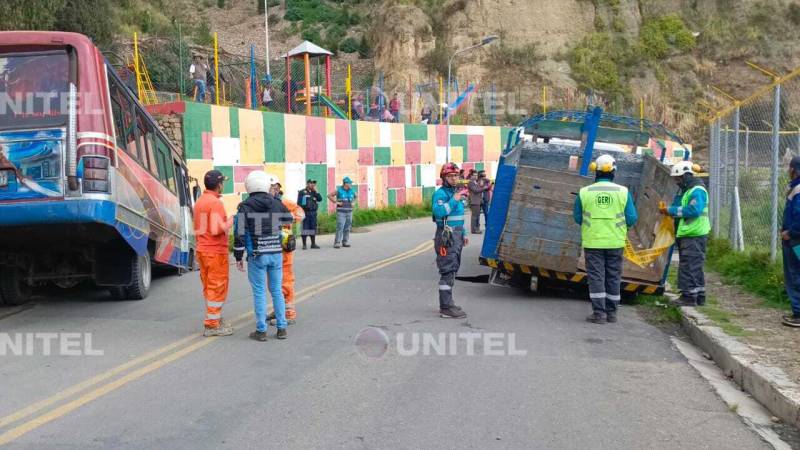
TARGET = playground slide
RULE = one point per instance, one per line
(328, 102)
(462, 98)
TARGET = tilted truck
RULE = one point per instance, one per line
(531, 237)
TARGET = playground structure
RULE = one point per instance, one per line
(310, 95)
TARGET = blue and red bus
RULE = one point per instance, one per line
(90, 188)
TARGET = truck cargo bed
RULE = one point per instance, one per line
(538, 231)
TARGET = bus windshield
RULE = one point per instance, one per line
(34, 89)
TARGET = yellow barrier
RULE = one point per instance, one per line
(665, 237)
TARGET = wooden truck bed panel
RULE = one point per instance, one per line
(540, 230)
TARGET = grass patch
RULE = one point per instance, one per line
(752, 270)
(364, 217)
(657, 309)
(721, 318)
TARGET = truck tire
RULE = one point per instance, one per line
(142, 277)
(14, 290)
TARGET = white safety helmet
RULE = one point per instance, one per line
(604, 163)
(681, 168)
(259, 181)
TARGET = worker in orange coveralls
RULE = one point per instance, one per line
(288, 261)
(211, 228)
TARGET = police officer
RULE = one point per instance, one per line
(605, 211)
(448, 213)
(690, 209)
(309, 199)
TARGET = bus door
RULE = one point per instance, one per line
(186, 202)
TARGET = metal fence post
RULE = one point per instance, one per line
(716, 176)
(776, 126)
(737, 240)
(746, 147)
(711, 176)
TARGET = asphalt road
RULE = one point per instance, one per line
(521, 372)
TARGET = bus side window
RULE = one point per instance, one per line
(119, 124)
(183, 184)
(166, 170)
(123, 123)
(145, 143)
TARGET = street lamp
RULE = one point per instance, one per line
(485, 41)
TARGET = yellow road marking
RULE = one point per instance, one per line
(37, 422)
(25, 412)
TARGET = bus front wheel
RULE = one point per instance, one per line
(13, 287)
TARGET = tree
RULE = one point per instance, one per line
(94, 18)
(29, 14)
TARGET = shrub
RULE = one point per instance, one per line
(794, 13)
(349, 45)
(202, 35)
(660, 36)
(436, 60)
(524, 57)
(598, 62)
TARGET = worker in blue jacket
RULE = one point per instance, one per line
(790, 236)
(604, 210)
(690, 210)
(448, 213)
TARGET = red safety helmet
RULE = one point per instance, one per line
(449, 168)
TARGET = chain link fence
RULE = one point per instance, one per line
(751, 143)
(371, 97)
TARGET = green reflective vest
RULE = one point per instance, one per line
(694, 226)
(603, 225)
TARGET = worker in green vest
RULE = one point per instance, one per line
(605, 211)
(690, 210)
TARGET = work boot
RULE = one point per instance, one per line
(684, 301)
(701, 300)
(281, 333)
(218, 331)
(453, 312)
(275, 322)
(337, 245)
(260, 336)
(314, 246)
(596, 318)
(611, 317)
(345, 244)
(791, 321)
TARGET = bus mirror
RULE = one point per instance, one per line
(196, 192)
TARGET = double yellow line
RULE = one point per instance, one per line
(93, 388)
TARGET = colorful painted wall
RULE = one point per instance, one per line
(391, 164)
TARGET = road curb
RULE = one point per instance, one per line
(769, 385)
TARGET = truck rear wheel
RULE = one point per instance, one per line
(13, 288)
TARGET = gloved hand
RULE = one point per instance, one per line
(662, 208)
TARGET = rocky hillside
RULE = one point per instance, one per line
(667, 51)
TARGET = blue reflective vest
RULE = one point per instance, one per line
(444, 206)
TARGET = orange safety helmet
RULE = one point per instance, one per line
(449, 168)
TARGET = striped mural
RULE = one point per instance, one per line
(391, 164)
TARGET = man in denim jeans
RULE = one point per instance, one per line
(258, 223)
(199, 72)
(345, 197)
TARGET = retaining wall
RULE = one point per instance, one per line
(391, 164)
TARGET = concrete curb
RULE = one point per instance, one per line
(769, 385)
